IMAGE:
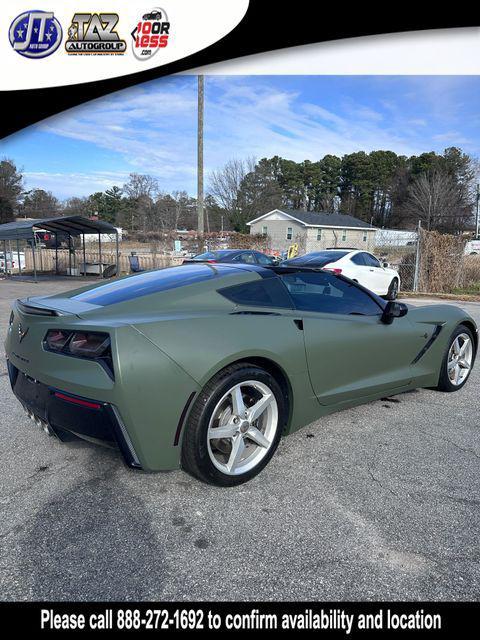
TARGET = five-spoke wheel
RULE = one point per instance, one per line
(235, 425)
(460, 356)
(458, 360)
(242, 427)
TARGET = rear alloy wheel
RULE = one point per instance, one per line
(234, 426)
(393, 290)
(458, 361)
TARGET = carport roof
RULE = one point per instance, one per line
(74, 225)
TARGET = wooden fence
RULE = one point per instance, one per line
(45, 260)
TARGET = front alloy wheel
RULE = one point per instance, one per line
(458, 360)
(234, 426)
(460, 356)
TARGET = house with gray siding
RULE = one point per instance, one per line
(312, 230)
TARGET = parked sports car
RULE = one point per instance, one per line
(361, 266)
(205, 366)
(247, 256)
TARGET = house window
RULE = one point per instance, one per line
(344, 235)
(365, 236)
(319, 234)
(289, 233)
(264, 231)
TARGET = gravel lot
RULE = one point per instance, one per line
(378, 502)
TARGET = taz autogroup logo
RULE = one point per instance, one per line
(94, 33)
(150, 34)
(35, 34)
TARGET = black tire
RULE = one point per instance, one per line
(195, 456)
(392, 293)
(444, 382)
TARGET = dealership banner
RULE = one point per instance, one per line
(342, 619)
(59, 53)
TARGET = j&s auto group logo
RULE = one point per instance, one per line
(35, 34)
(94, 33)
(151, 33)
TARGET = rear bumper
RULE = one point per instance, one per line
(67, 414)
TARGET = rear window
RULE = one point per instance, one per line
(319, 258)
(143, 284)
(213, 255)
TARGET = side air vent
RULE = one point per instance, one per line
(35, 311)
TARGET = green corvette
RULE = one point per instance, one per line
(205, 366)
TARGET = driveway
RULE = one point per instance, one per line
(378, 502)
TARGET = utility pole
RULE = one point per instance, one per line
(477, 217)
(200, 205)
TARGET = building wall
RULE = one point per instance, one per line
(277, 233)
(334, 238)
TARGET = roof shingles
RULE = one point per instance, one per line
(323, 218)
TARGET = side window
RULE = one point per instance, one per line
(249, 258)
(289, 233)
(325, 293)
(359, 259)
(246, 256)
(263, 259)
(268, 292)
(371, 260)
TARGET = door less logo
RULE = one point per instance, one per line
(94, 33)
(35, 34)
(150, 34)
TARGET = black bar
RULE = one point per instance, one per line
(344, 619)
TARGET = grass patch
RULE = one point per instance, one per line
(469, 290)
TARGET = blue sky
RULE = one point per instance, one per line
(151, 128)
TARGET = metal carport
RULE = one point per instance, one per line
(73, 226)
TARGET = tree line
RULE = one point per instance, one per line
(380, 187)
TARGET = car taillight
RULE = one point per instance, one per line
(211, 261)
(84, 344)
(55, 340)
(89, 345)
(334, 270)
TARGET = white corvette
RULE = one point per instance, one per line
(361, 266)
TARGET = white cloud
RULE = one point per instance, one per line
(65, 185)
(152, 129)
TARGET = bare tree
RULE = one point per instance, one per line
(170, 208)
(439, 201)
(141, 190)
(225, 185)
(75, 206)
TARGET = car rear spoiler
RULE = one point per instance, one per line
(56, 307)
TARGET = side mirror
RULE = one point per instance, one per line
(393, 310)
(385, 264)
